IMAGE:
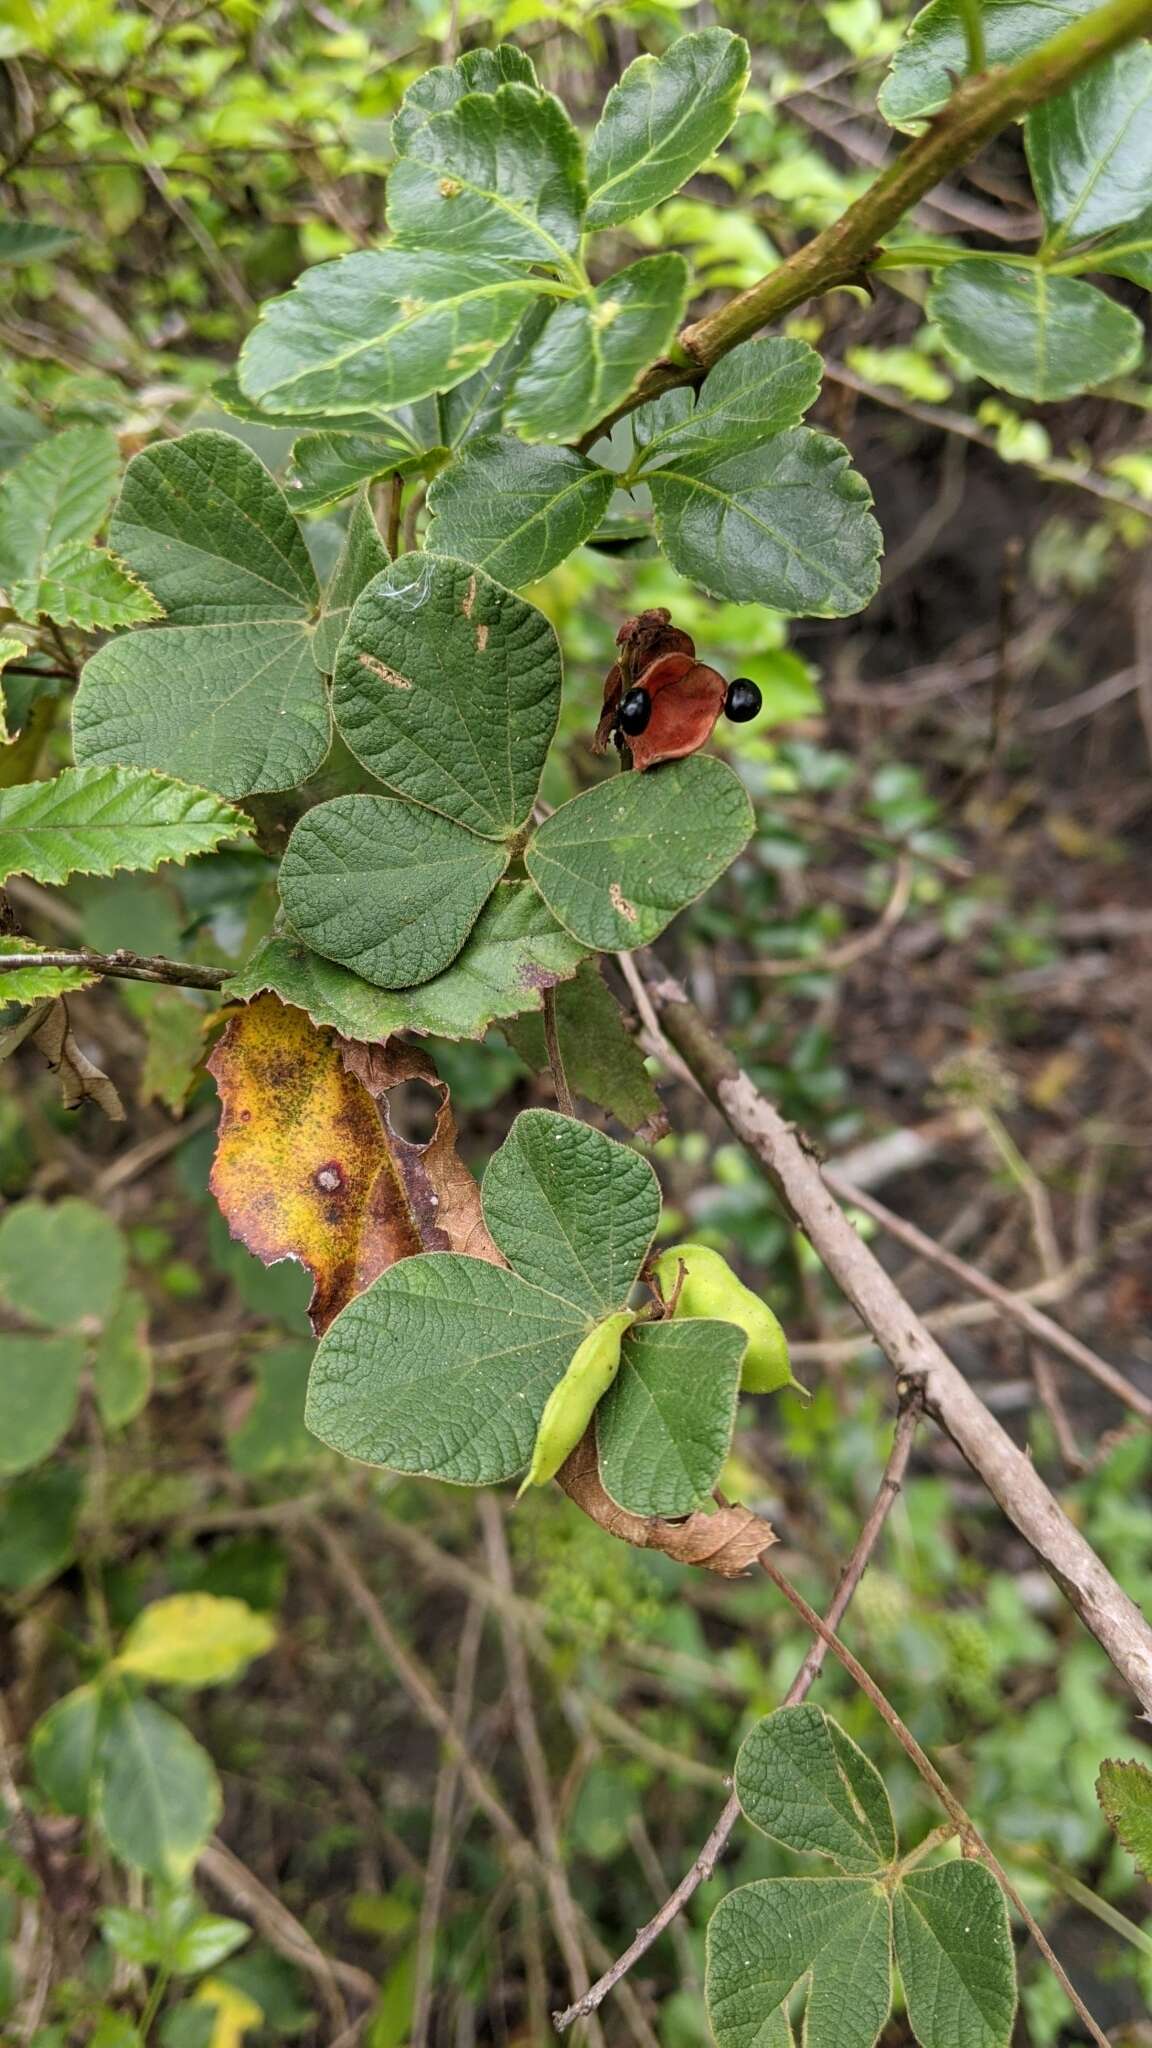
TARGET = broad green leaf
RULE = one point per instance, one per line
(328, 467)
(385, 887)
(227, 394)
(272, 1435)
(759, 390)
(516, 949)
(592, 351)
(787, 524)
(447, 688)
(59, 491)
(1124, 1789)
(30, 241)
(805, 1783)
(94, 821)
(957, 1964)
(602, 1060)
(159, 1797)
(38, 1527)
(444, 84)
(497, 175)
(64, 1750)
(515, 511)
(1090, 150)
(661, 121)
(362, 556)
(934, 54)
(664, 1428)
(1038, 336)
(442, 1367)
(122, 1365)
(61, 1263)
(39, 1387)
(79, 585)
(574, 1211)
(33, 984)
(477, 405)
(766, 1939)
(380, 327)
(616, 864)
(194, 1639)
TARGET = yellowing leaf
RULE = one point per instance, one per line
(236, 2013)
(194, 1639)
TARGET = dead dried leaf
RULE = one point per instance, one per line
(727, 1541)
(80, 1079)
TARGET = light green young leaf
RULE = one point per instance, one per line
(30, 241)
(94, 821)
(64, 1750)
(592, 351)
(934, 54)
(444, 84)
(513, 510)
(787, 524)
(573, 1210)
(1038, 336)
(616, 864)
(328, 467)
(805, 1783)
(447, 688)
(957, 1964)
(122, 1365)
(1090, 150)
(758, 391)
(61, 1263)
(442, 1367)
(766, 1939)
(39, 1388)
(159, 1797)
(194, 1639)
(33, 984)
(497, 175)
(1124, 1789)
(362, 556)
(377, 328)
(664, 1427)
(603, 1062)
(59, 491)
(80, 585)
(666, 115)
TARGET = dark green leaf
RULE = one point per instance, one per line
(444, 84)
(757, 391)
(1090, 150)
(934, 54)
(603, 1062)
(805, 1783)
(64, 1750)
(664, 1427)
(765, 1939)
(227, 394)
(29, 241)
(1038, 336)
(573, 1210)
(39, 1388)
(159, 1798)
(1124, 1790)
(60, 1263)
(661, 121)
(592, 351)
(477, 405)
(496, 175)
(957, 1963)
(328, 467)
(1128, 252)
(515, 511)
(96, 821)
(38, 1527)
(58, 491)
(362, 556)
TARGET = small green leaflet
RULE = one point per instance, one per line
(616, 864)
(1124, 1789)
(157, 1794)
(51, 503)
(330, 466)
(801, 1780)
(1038, 336)
(122, 1365)
(38, 1530)
(362, 556)
(953, 1944)
(1090, 150)
(93, 821)
(497, 175)
(29, 241)
(80, 585)
(592, 351)
(61, 1263)
(766, 1939)
(444, 84)
(34, 984)
(934, 53)
(574, 1211)
(39, 1389)
(665, 1425)
(64, 1748)
(666, 115)
(515, 511)
(758, 390)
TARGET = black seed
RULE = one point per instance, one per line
(743, 700)
(635, 711)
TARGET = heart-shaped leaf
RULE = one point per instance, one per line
(953, 1943)
(362, 557)
(617, 863)
(385, 887)
(496, 175)
(1090, 149)
(444, 84)
(592, 351)
(61, 1263)
(765, 1939)
(934, 54)
(574, 1211)
(1039, 336)
(756, 391)
(805, 1783)
(447, 688)
(516, 511)
(664, 1427)
(93, 821)
(660, 122)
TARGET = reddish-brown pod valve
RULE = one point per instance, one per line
(660, 703)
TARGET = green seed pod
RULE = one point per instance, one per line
(711, 1288)
(568, 1409)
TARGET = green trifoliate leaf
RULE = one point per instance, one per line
(1090, 150)
(498, 175)
(805, 1783)
(442, 86)
(328, 467)
(665, 1425)
(158, 1798)
(513, 510)
(61, 1263)
(447, 688)
(957, 1964)
(1124, 1790)
(33, 984)
(934, 54)
(516, 949)
(765, 1939)
(79, 585)
(661, 121)
(591, 352)
(603, 1062)
(442, 1367)
(39, 1388)
(787, 524)
(1038, 336)
(362, 556)
(30, 241)
(378, 328)
(616, 864)
(385, 887)
(59, 491)
(93, 821)
(757, 391)
(573, 1210)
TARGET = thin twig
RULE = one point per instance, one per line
(440, 1843)
(283, 1932)
(555, 1056)
(121, 965)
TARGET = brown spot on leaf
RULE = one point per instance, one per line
(481, 638)
(387, 675)
(620, 903)
(449, 187)
(469, 597)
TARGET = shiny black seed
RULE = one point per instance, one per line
(743, 700)
(635, 711)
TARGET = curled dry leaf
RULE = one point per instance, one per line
(727, 1541)
(309, 1167)
(80, 1079)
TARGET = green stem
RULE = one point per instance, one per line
(973, 20)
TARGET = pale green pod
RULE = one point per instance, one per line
(711, 1288)
(568, 1409)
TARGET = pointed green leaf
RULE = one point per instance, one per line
(447, 688)
(33, 984)
(79, 585)
(664, 1428)
(602, 1060)
(194, 1639)
(93, 821)
(757, 391)
(328, 467)
(1038, 336)
(59, 491)
(616, 864)
(1090, 149)
(159, 1797)
(362, 556)
(592, 352)
(957, 1963)
(515, 511)
(122, 1366)
(64, 1750)
(39, 1388)
(442, 1367)
(31, 241)
(661, 121)
(805, 1783)
(1124, 1790)
(766, 1939)
(787, 524)
(444, 84)
(934, 54)
(377, 328)
(61, 1263)
(573, 1210)
(497, 175)
(385, 887)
